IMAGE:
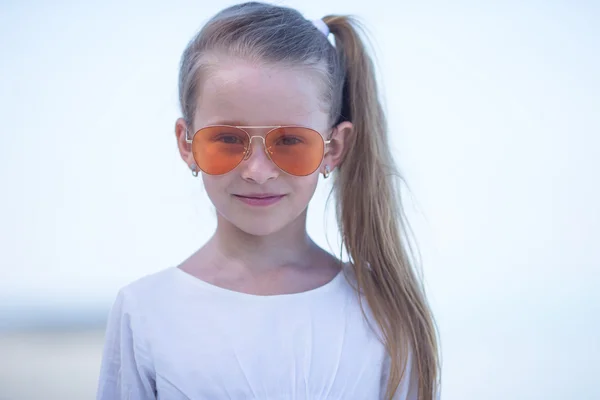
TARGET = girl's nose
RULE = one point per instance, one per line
(257, 166)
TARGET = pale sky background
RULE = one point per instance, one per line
(494, 109)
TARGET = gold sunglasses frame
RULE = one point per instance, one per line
(247, 153)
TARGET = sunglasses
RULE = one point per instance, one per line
(296, 150)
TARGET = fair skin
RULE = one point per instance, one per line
(262, 250)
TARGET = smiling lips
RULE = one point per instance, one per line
(259, 199)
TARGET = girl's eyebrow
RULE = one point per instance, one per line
(245, 124)
(227, 122)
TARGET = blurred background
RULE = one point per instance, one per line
(494, 115)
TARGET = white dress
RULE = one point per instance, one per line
(172, 336)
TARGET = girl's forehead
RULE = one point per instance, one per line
(260, 95)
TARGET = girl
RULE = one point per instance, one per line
(260, 311)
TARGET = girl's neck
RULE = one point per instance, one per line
(287, 261)
(290, 246)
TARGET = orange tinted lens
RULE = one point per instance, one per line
(219, 149)
(297, 151)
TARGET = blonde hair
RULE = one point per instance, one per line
(365, 185)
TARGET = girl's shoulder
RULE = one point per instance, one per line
(146, 291)
(154, 282)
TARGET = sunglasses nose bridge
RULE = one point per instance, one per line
(249, 149)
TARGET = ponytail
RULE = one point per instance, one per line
(372, 222)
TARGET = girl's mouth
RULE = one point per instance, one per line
(260, 199)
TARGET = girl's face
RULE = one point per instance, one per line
(238, 93)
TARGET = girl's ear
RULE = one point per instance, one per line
(339, 143)
(185, 148)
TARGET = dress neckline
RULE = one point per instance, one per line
(325, 288)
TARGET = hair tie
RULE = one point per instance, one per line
(322, 26)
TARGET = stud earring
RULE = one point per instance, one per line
(194, 170)
(326, 173)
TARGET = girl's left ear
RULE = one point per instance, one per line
(339, 143)
(185, 149)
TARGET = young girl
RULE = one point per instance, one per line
(260, 311)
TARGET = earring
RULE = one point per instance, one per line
(194, 170)
(326, 173)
